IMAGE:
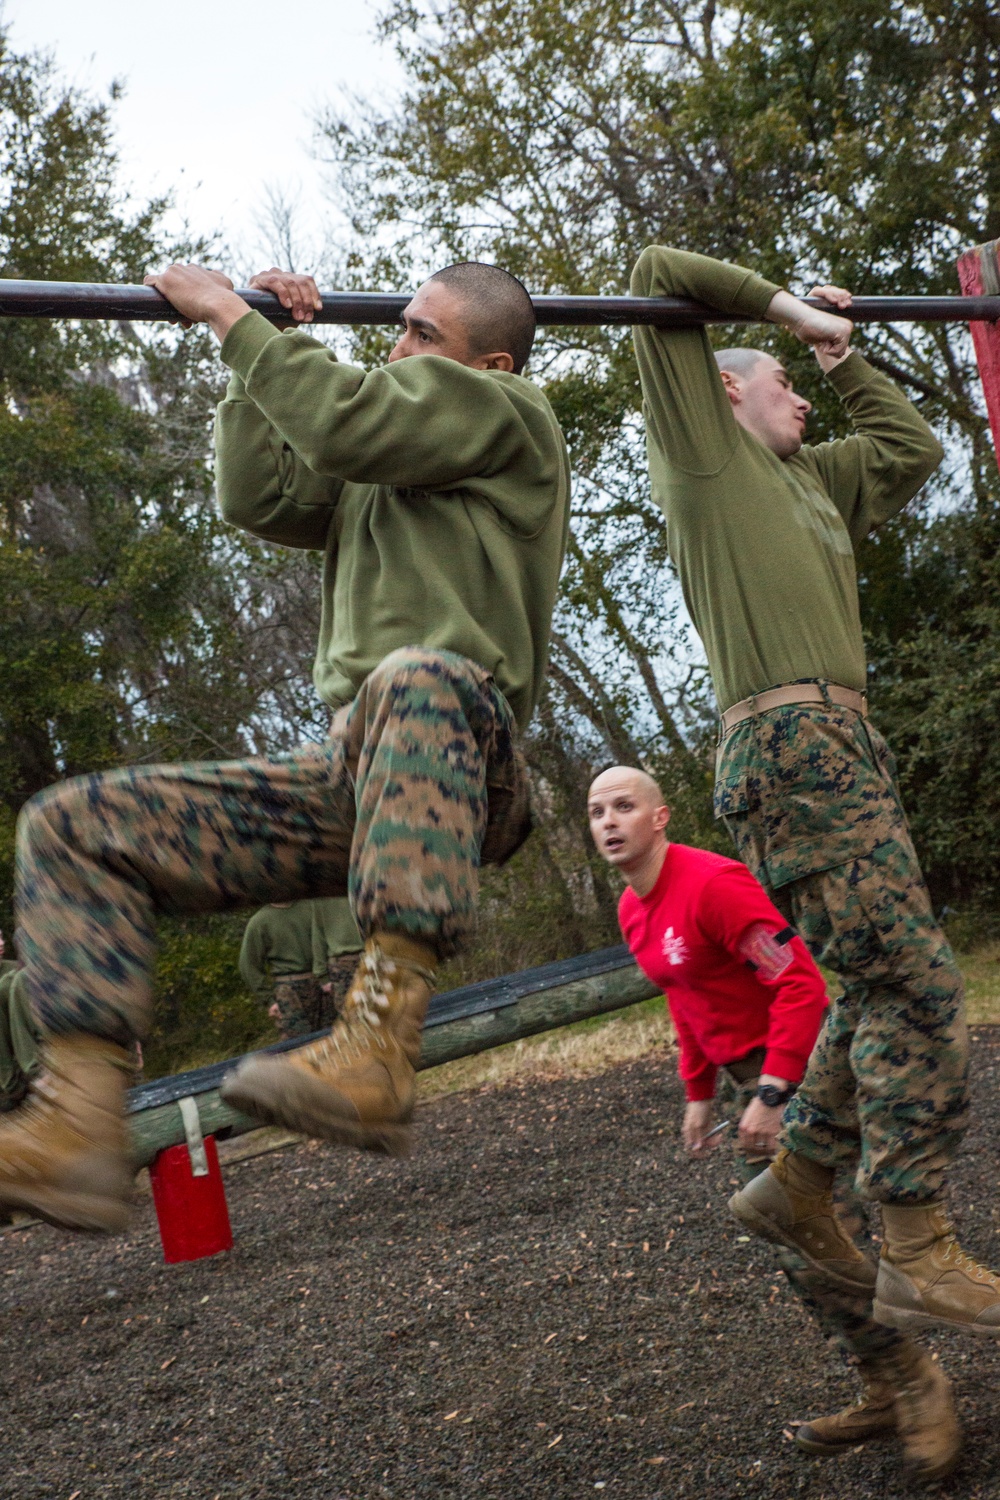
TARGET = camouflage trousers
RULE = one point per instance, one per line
(845, 1319)
(810, 798)
(419, 782)
(308, 1002)
(298, 1001)
(340, 968)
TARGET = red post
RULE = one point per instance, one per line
(189, 1195)
(979, 275)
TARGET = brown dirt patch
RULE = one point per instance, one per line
(548, 1300)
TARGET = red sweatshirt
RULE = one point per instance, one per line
(735, 975)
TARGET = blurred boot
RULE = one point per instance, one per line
(926, 1419)
(64, 1152)
(357, 1086)
(873, 1419)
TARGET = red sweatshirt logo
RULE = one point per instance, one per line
(675, 949)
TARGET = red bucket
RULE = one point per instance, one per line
(190, 1210)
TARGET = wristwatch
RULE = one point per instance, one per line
(772, 1096)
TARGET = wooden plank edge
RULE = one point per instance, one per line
(546, 1010)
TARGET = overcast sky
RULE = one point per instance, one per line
(218, 96)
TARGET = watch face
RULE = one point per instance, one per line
(770, 1095)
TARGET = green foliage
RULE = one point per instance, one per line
(136, 626)
(848, 140)
(203, 1010)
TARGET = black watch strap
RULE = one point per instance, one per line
(772, 1096)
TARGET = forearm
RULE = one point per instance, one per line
(795, 1017)
(790, 312)
(226, 310)
(423, 422)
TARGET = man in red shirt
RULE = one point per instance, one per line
(747, 1002)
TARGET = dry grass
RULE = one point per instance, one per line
(572, 1052)
(981, 968)
(593, 1046)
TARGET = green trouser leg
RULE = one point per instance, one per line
(885, 1093)
(845, 1318)
(809, 796)
(419, 779)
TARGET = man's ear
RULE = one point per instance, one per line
(734, 386)
(498, 361)
(661, 817)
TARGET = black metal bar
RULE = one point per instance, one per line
(88, 300)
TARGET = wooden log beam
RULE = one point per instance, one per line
(138, 304)
(462, 1028)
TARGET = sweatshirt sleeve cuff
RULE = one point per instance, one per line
(245, 341)
(702, 1087)
(753, 296)
(788, 1065)
(850, 375)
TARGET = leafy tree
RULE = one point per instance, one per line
(850, 140)
(135, 625)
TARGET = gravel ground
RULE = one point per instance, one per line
(546, 1300)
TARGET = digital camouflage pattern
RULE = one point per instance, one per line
(845, 1319)
(419, 781)
(298, 1001)
(810, 798)
(340, 969)
(311, 1002)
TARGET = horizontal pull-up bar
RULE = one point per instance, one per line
(70, 299)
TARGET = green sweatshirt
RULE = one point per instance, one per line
(334, 931)
(764, 547)
(439, 495)
(20, 1036)
(278, 939)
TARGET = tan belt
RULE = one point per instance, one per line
(795, 692)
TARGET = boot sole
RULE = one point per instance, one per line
(279, 1095)
(80, 1212)
(818, 1449)
(766, 1229)
(911, 1318)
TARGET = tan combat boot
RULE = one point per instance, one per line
(792, 1204)
(64, 1152)
(871, 1420)
(925, 1278)
(357, 1086)
(926, 1419)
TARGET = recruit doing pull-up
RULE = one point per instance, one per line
(762, 529)
(437, 487)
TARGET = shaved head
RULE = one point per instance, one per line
(628, 819)
(499, 313)
(763, 400)
(630, 778)
(741, 362)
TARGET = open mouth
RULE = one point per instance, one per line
(612, 845)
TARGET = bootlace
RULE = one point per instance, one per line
(367, 1002)
(965, 1262)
